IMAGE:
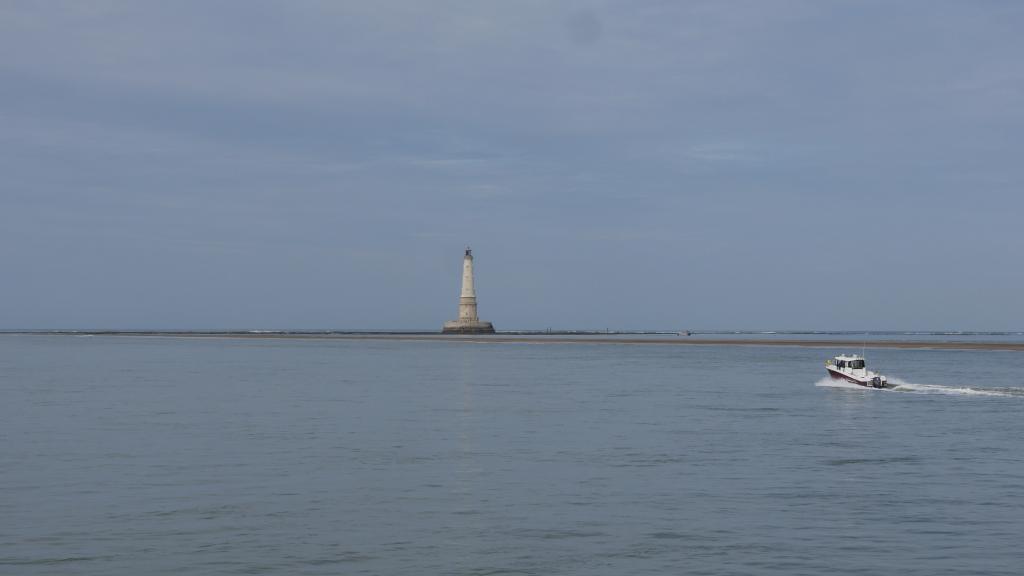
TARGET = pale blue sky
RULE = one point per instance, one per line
(824, 165)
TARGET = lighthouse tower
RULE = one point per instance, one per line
(468, 322)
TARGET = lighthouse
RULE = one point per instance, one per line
(468, 322)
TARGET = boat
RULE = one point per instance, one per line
(852, 368)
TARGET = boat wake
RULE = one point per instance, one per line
(898, 385)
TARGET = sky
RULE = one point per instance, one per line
(847, 165)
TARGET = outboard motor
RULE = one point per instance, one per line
(876, 382)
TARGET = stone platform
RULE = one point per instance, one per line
(462, 327)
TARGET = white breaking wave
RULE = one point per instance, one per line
(913, 388)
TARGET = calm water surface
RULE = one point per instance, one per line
(169, 456)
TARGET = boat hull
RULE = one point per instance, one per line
(868, 383)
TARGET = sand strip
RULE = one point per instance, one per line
(502, 339)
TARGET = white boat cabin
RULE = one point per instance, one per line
(852, 362)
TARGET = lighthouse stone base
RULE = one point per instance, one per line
(467, 327)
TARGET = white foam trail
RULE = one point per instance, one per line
(913, 388)
(902, 386)
(830, 383)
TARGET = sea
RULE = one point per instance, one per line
(156, 455)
